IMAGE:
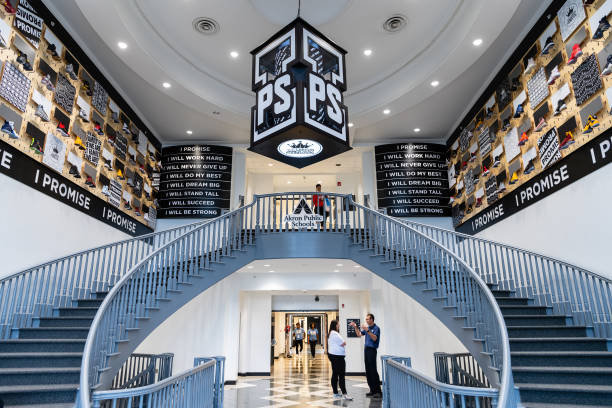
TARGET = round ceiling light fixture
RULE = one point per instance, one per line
(122, 45)
(234, 54)
(205, 25)
(417, 130)
(387, 111)
(189, 132)
(367, 52)
(166, 85)
(350, 124)
(394, 23)
(477, 42)
(434, 83)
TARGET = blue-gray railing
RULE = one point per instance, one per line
(36, 291)
(405, 387)
(200, 386)
(459, 369)
(569, 289)
(143, 369)
(195, 251)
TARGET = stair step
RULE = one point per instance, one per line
(544, 405)
(36, 345)
(525, 310)
(43, 359)
(580, 394)
(502, 293)
(77, 311)
(560, 344)
(89, 302)
(563, 375)
(52, 332)
(38, 394)
(549, 331)
(544, 320)
(512, 301)
(562, 358)
(39, 375)
(71, 321)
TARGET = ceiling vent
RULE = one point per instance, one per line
(205, 25)
(394, 23)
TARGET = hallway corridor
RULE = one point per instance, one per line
(300, 381)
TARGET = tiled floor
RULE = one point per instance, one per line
(300, 381)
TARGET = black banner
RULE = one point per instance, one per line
(412, 179)
(26, 170)
(195, 181)
(28, 23)
(583, 161)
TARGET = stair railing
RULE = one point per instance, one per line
(405, 387)
(193, 388)
(37, 290)
(143, 369)
(459, 369)
(567, 288)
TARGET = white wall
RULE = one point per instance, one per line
(572, 224)
(37, 228)
(255, 327)
(353, 305)
(304, 302)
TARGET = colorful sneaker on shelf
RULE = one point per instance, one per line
(9, 129)
(137, 211)
(61, 129)
(90, 182)
(22, 58)
(593, 122)
(125, 128)
(519, 111)
(524, 139)
(501, 187)
(84, 115)
(27, 66)
(576, 53)
(8, 7)
(111, 139)
(463, 165)
(561, 106)
(479, 202)
(530, 167)
(603, 26)
(108, 164)
(541, 125)
(485, 171)
(531, 65)
(47, 82)
(98, 129)
(34, 145)
(506, 124)
(514, 178)
(516, 84)
(105, 190)
(451, 200)
(496, 161)
(71, 73)
(568, 141)
(548, 45)
(476, 177)
(87, 88)
(120, 175)
(479, 125)
(469, 210)
(608, 68)
(78, 142)
(473, 157)
(554, 74)
(126, 205)
(74, 171)
(40, 112)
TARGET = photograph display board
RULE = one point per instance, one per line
(350, 331)
(195, 181)
(412, 179)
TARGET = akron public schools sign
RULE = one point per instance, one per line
(299, 117)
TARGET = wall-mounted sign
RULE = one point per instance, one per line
(412, 179)
(195, 181)
(298, 78)
(302, 216)
(350, 330)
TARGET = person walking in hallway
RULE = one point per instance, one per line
(372, 338)
(318, 203)
(336, 352)
(299, 338)
(313, 338)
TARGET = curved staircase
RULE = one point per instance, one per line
(76, 320)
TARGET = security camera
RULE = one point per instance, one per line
(316, 298)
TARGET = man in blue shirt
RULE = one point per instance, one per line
(372, 338)
(299, 338)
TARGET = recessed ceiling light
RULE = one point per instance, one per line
(417, 130)
(336, 270)
(190, 132)
(270, 164)
(166, 85)
(435, 83)
(250, 267)
(234, 54)
(386, 111)
(267, 265)
(338, 264)
(356, 266)
(367, 52)
(271, 271)
(289, 181)
(350, 124)
(122, 45)
(477, 42)
(319, 181)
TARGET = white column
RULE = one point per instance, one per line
(369, 176)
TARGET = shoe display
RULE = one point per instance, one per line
(479, 125)
(506, 124)
(451, 200)
(576, 53)
(137, 211)
(524, 139)
(74, 171)
(468, 211)
(501, 187)
(554, 74)
(530, 167)
(98, 129)
(78, 142)
(71, 73)
(514, 178)
(47, 82)
(541, 125)
(9, 129)
(83, 115)
(27, 66)
(105, 190)
(126, 205)
(40, 112)
(108, 164)
(593, 122)
(603, 26)
(519, 111)
(111, 139)
(489, 112)
(146, 216)
(531, 65)
(90, 182)
(125, 128)
(120, 175)
(496, 161)
(472, 157)
(516, 84)
(608, 68)
(548, 45)
(3, 43)
(485, 171)
(8, 7)
(61, 129)
(479, 202)
(476, 176)
(87, 88)
(115, 117)
(568, 141)
(34, 145)
(561, 106)
(22, 58)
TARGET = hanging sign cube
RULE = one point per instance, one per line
(299, 117)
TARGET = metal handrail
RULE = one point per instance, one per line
(459, 369)
(140, 369)
(165, 267)
(36, 290)
(177, 390)
(405, 386)
(569, 289)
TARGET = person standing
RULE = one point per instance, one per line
(299, 338)
(336, 352)
(372, 338)
(313, 338)
(318, 203)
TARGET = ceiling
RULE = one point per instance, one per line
(210, 91)
(304, 266)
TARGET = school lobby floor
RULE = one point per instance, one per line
(297, 382)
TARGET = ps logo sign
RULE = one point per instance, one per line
(298, 78)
